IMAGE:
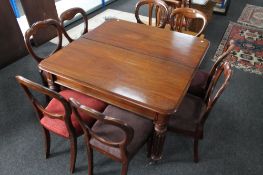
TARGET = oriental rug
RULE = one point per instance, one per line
(248, 52)
(252, 15)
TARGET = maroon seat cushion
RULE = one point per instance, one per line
(142, 129)
(58, 126)
(197, 86)
(187, 115)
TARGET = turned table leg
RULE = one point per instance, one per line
(50, 81)
(160, 128)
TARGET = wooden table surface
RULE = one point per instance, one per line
(166, 45)
(139, 68)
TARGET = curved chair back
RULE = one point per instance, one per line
(219, 61)
(211, 96)
(177, 3)
(69, 15)
(181, 18)
(106, 120)
(40, 25)
(161, 12)
(28, 85)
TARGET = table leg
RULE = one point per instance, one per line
(50, 81)
(160, 128)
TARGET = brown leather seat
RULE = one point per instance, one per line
(142, 128)
(117, 133)
(188, 114)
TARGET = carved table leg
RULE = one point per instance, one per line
(160, 128)
(50, 82)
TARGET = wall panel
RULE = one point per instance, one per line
(37, 10)
(12, 45)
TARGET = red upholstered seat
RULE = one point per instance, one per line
(198, 84)
(58, 126)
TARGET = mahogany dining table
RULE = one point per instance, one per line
(143, 69)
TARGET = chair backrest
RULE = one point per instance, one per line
(181, 19)
(219, 61)
(69, 15)
(214, 92)
(161, 12)
(177, 3)
(41, 25)
(29, 86)
(77, 107)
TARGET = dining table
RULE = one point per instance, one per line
(139, 68)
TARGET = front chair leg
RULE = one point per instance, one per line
(196, 157)
(47, 142)
(73, 154)
(124, 168)
(90, 160)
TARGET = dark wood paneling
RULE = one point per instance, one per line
(12, 45)
(36, 10)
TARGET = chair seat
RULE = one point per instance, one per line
(198, 84)
(142, 129)
(58, 126)
(188, 114)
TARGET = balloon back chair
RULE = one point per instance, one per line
(117, 133)
(191, 115)
(57, 116)
(182, 18)
(157, 8)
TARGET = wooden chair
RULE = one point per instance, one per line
(160, 12)
(57, 116)
(177, 3)
(173, 4)
(181, 19)
(117, 133)
(42, 25)
(202, 79)
(69, 15)
(190, 117)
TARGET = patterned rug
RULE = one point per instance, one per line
(248, 53)
(252, 15)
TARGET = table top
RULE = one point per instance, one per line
(173, 46)
(133, 67)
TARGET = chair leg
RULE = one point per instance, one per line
(124, 168)
(90, 160)
(47, 142)
(73, 154)
(196, 157)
